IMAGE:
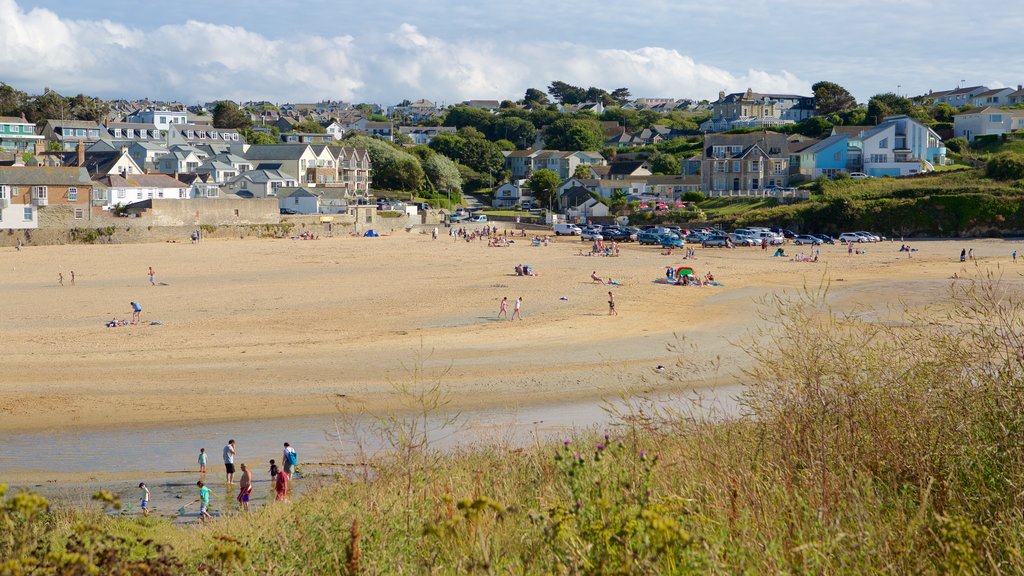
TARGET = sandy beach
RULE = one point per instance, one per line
(251, 329)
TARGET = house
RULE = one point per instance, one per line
(957, 97)
(987, 121)
(259, 183)
(147, 154)
(670, 186)
(161, 118)
(899, 146)
(334, 128)
(201, 134)
(523, 163)
(1017, 96)
(131, 188)
(509, 195)
(354, 168)
(622, 170)
(27, 190)
(826, 157)
(744, 164)
(306, 138)
(587, 209)
(290, 159)
(99, 163)
(67, 133)
(415, 112)
(132, 132)
(755, 110)
(298, 201)
(18, 134)
(424, 134)
(483, 104)
(993, 97)
(199, 185)
(181, 159)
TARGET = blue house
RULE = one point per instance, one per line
(827, 157)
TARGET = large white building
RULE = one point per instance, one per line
(162, 119)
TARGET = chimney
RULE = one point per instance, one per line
(81, 152)
(40, 147)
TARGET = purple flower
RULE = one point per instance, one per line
(600, 446)
(567, 442)
(643, 455)
(607, 438)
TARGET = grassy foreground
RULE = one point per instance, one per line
(864, 448)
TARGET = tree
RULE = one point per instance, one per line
(574, 134)
(544, 186)
(517, 130)
(582, 172)
(483, 156)
(88, 108)
(630, 119)
(814, 126)
(309, 126)
(666, 164)
(566, 93)
(943, 112)
(888, 104)
(442, 173)
(830, 98)
(50, 104)
(253, 137)
(621, 95)
(392, 168)
(451, 145)
(227, 115)
(462, 116)
(535, 98)
(12, 102)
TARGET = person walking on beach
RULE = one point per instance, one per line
(145, 499)
(202, 460)
(152, 277)
(204, 501)
(963, 255)
(72, 277)
(281, 486)
(503, 308)
(229, 461)
(60, 278)
(849, 248)
(517, 311)
(136, 312)
(273, 469)
(611, 304)
(244, 488)
(290, 459)
(970, 256)
(1014, 255)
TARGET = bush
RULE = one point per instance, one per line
(956, 145)
(694, 196)
(1005, 166)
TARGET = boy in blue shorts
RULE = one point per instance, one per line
(145, 498)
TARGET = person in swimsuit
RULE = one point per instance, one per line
(245, 487)
(517, 310)
(611, 305)
(503, 309)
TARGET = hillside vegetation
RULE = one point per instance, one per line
(862, 449)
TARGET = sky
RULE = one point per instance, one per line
(448, 51)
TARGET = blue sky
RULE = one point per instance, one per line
(448, 51)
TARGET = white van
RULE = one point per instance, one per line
(563, 229)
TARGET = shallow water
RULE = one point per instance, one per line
(166, 456)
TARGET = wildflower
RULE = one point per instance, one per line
(567, 442)
(643, 455)
(607, 438)
(600, 447)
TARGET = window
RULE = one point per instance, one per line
(72, 194)
(780, 167)
(39, 192)
(120, 194)
(754, 183)
(28, 213)
(163, 119)
(79, 213)
(236, 211)
(737, 166)
(755, 166)
(28, 130)
(883, 143)
(996, 118)
(4, 193)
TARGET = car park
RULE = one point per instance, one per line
(802, 239)
(825, 238)
(869, 236)
(591, 233)
(743, 239)
(851, 237)
(648, 238)
(615, 233)
(695, 237)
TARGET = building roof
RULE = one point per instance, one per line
(44, 176)
(73, 124)
(992, 92)
(261, 176)
(624, 168)
(276, 151)
(13, 120)
(822, 145)
(140, 181)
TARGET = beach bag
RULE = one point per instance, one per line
(293, 458)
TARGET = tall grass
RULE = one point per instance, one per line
(862, 447)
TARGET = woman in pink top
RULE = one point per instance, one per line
(281, 486)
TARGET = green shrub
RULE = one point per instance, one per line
(1005, 166)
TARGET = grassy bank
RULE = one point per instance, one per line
(864, 448)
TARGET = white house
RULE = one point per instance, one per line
(15, 216)
(298, 201)
(589, 208)
(131, 188)
(993, 97)
(424, 134)
(508, 195)
(899, 146)
(986, 121)
(162, 119)
(259, 183)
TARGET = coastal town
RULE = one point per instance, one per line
(578, 154)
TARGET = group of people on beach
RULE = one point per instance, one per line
(517, 311)
(280, 476)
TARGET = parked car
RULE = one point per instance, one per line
(716, 240)
(458, 217)
(858, 175)
(825, 238)
(743, 239)
(564, 229)
(671, 241)
(807, 239)
(851, 237)
(648, 238)
(696, 237)
(288, 211)
(615, 233)
(591, 233)
(870, 237)
(479, 218)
